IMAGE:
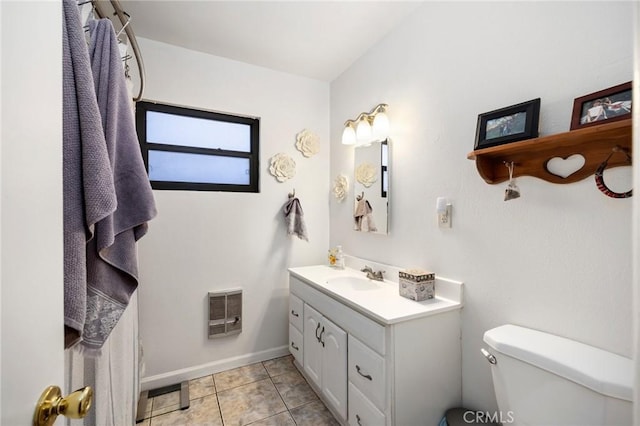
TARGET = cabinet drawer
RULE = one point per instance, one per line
(367, 372)
(362, 412)
(295, 344)
(295, 312)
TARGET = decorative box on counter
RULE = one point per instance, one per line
(417, 284)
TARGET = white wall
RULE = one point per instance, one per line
(31, 261)
(558, 258)
(208, 241)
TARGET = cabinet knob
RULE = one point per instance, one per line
(294, 313)
(294, 346)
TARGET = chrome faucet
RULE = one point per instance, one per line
(373, 275)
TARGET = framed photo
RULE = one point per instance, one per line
(610, 104)
(510, 124)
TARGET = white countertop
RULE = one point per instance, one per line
(380, 301)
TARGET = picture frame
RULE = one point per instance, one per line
(510, 124)
(608, 105)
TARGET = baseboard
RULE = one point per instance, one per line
(177, 376)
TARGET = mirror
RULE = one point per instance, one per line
(371, 188)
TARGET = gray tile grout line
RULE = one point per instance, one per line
(281, 398)
(218, 399)
(274, 386)
(285, 404)
(280, 395)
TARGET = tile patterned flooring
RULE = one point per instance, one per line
(269, 393)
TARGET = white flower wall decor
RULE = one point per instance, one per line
(340, 187)
(282, 167)
(307, 143)
(366, 174)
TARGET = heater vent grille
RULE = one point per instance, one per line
(225, 313)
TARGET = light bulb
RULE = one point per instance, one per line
(380, 126)
(363, 131)
(348, 135)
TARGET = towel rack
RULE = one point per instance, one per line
(125, 22)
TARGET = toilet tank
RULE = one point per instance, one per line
(542, 379)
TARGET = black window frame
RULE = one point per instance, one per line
(254, 155)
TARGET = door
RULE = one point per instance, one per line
(334, 366)
(312, 349)
(31, 258)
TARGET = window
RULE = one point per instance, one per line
(187, 149)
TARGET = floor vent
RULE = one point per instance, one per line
(225, 313)
(183, 387)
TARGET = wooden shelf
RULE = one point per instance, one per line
(531, 156)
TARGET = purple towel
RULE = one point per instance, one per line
(112, 263)
(88, 190)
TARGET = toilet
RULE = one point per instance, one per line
(545, 380)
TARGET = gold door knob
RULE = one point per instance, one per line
(51, 404)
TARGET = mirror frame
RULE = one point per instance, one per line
(380, 187)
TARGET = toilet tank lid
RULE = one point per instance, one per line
(602, 371)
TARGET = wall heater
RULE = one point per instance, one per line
(225, 313)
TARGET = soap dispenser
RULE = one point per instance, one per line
(339, 258)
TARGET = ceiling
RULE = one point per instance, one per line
(315, 39)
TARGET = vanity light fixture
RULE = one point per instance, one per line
(363, 131)
(349, 135)
(367, 127)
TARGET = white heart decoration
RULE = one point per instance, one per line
(565, 167)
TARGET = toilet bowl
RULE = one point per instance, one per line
(545, 380)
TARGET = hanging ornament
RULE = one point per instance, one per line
(512, 190)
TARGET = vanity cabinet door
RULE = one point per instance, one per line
(312, 347)
(325, 358)
(334, 366)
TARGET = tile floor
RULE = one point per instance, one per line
(269, 393)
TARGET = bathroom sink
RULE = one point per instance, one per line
(355, 283)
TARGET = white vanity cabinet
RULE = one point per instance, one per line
(376, 368)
